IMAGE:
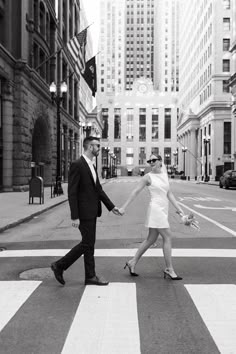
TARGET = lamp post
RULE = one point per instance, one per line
(175, 153)
(107, 149)
(206, 141)
(167, 156)
(87, 128)
(57, 94)
(184, 149)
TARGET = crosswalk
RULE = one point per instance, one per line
(108, 319)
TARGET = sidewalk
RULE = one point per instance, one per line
(15, 207)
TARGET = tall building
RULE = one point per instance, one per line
(132, 110)
(166, 46)
(112, 41)
(139, 41)
(204, 126)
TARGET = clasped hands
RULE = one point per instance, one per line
(118, 211)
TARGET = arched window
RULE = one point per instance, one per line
(48, 29)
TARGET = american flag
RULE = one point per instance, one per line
(77, 47)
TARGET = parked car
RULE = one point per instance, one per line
(228, 179)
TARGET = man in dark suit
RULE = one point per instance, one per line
(85, 194)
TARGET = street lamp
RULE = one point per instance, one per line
(184, 149)
(57, 94)
(206, 141)
(167, 156)
(107, 149)
(175, 153)
(87, 128)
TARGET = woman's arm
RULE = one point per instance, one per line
(173, 201)
(144, 182)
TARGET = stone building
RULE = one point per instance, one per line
(204, 126)
(33, 54)
(137, 123)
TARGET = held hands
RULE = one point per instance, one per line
(116, 211)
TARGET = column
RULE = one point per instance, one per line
(7, 136)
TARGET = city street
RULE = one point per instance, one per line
(146, 314)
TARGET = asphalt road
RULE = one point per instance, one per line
(147, 314)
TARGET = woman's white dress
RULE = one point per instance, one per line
(157, 214)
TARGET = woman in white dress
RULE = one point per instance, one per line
(157, 215)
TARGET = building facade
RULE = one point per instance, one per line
(33, 54)
(204, 125)
(137, 123)
(232, 82)
(166, 46)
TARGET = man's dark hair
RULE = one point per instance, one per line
(88, 140)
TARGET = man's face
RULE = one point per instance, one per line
(95, 147)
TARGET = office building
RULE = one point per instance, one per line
(204, 125)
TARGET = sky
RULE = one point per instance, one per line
(92, 13)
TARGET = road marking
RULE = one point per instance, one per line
(216, 304)
(205, 199)
(13, 295)
(232, 232)
(213, 208)
(126, 252)
(106, 321)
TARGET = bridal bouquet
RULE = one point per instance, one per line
(190, 220)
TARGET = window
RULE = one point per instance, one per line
(129, 156)
(105, 123)
(155, 151)
(142, 124)
(155, 127)
(142, 156)
(117, 123)
(130, 124)
(227, 137)
(226, 24)
(226, 44)
(226, 4)
(117, 152)
(167, 131)
(225, 86)
(226, 65)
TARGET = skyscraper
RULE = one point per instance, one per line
(205, 65)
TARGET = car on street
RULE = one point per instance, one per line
(228, 179)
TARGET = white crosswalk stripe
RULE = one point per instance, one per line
(126, 252)
(13, 295)
(216, 304)
(113, 313)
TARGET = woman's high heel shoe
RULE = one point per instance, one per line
(130, 270)
(166, 274)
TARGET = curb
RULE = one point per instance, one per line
(29, 217)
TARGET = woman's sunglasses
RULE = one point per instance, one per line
(153, 160)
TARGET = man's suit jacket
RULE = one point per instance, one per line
(84, 195)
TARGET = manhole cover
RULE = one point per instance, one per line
(37, 274)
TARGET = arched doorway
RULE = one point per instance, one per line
(42, 149)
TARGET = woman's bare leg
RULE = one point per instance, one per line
(152, 237)
(167, 250)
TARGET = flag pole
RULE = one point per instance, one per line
(62, 48)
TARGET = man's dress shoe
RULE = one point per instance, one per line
(58, 273)
(96, 281)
